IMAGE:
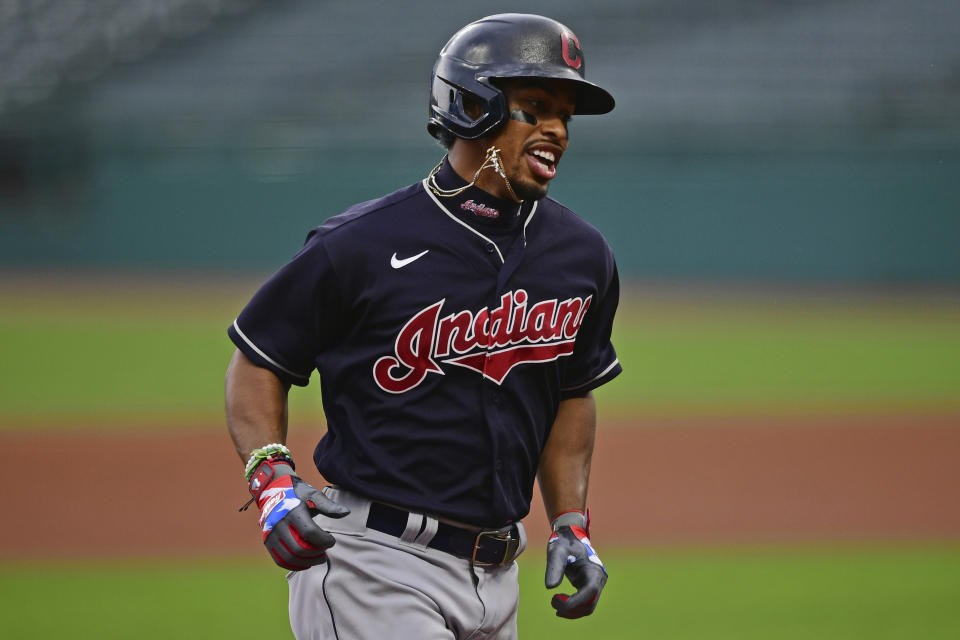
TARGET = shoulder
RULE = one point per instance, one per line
(558, 222)
(369, 214)
(560, 238)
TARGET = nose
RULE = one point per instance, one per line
(554, 126)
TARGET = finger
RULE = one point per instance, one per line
(285, 552)
(284, 558)
(585, 597)
(300, 539)
(285, 561)
(557, 558)
(561, 603)
(305, 533)
(322, 504)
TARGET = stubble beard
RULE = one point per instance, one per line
(526, 189)
(529, 191)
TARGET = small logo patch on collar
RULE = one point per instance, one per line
(480, 209)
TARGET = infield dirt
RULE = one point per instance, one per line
(687, 481)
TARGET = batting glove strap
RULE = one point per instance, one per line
(570, 554)
(571, 518)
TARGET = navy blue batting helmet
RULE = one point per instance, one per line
(507, 45)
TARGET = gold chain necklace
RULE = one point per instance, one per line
(491, 161)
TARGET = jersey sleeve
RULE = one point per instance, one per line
(293, 316)
(594, 361)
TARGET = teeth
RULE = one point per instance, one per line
(546, 155)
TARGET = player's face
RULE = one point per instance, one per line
(531, 151)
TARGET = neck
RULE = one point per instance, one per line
(466, 157)
(470, 203)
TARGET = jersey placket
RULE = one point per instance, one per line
(494, 405)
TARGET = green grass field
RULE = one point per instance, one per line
(81, 357)
(125, 357)
(842, 594)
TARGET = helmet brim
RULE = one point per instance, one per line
(590, 99)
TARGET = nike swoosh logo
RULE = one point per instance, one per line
(397, 263)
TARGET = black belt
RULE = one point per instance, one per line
(484, 548)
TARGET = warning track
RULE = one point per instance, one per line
(668, 481)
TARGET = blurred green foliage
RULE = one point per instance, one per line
(89, 357)
(678, 594)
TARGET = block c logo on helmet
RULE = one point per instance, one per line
(567, 37)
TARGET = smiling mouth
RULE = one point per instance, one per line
(543, 163)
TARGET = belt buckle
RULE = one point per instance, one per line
(502, 536)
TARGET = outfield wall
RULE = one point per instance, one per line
(863, 216)
(753, 140)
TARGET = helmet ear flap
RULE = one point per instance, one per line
(454, 104)
(466, 112)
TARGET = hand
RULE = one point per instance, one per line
(287, 506)
(570, 553)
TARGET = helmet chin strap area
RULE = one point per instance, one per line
(491, 161)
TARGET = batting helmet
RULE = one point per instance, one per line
(507, 45)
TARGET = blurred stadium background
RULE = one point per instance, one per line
(754, 141)
(779, 181)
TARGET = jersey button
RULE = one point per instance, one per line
(490, 247)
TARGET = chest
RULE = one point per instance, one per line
(470, 279)
(432, 304)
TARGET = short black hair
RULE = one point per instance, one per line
(444, 137)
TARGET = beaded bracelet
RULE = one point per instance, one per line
(266, 451)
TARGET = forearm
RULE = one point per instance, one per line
(256, 406)
(565, 462)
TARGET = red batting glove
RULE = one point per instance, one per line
(287, 505)
(570, 553)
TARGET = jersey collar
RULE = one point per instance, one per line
(475, 206)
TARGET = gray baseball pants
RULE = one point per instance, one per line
(379, 587)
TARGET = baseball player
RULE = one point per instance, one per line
(459, 326)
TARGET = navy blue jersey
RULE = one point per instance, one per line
(445, 332)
